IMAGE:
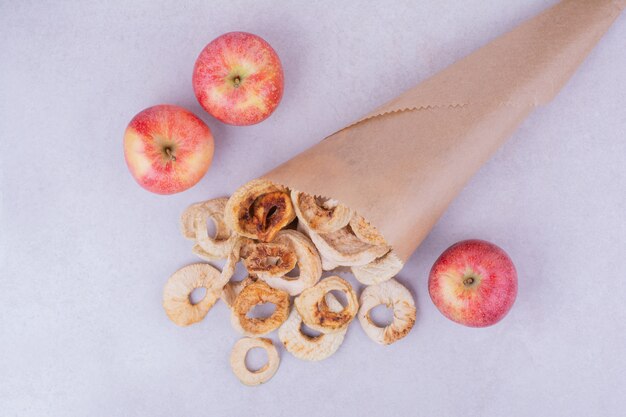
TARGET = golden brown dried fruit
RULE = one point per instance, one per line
(309, 348)
(320, 215)
(258, 293)
(232, 289)
(312, 307)
(259, 209)
(238, 361)
(182, 283)
(366, 232)
(308, 262)
(268, 260)
(379, 270)
(394, 295)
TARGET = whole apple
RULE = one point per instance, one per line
(238, 79)
(473, 283)
(167, 148)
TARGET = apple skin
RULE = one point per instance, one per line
(167, 148)
(238, 79)
(473, 283)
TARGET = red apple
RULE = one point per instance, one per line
(473, 283)
(167, 149)
(238, 79)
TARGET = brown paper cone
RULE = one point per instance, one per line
(402, 165)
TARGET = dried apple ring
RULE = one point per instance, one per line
(188, 220)
(268, 260)
(259, 209)
(258, 293)
(220, 245)
(193, 224)
(394, 295)
(312, 307)
(366, 232)
(379, 270)
(320, 215)
(327, 265)
(306, 347)
(238, 361)
(232, 289)
(233, 257)
(181, 284)
(343, 248)
(308, 262)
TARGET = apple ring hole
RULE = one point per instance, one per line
(261, 311)
(381, 315)
(256, 359)
(340, 296)
(294, 273)
(211, 228)
(271, 212)
(308, 332)
(197, 295)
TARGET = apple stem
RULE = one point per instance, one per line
(169, 153)
(468, 281)
(236, 81)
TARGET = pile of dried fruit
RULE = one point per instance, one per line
(273, 230)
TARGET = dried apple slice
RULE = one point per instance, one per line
(259, 209)
(394, 295)
(320, 215)
(258, 293)
(312, 307)
(194, 226)
(365, 231)
(344, 248)
(306, 347)
(379, 270)
(308, 262)
(181, 284)
(238, 361)
(268, 260)
(232, 289)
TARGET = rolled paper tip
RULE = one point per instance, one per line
(401, 165)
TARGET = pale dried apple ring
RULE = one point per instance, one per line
(312, 307)
(365, 231)
(321, 215)
(220, 245)
(193, 224)
(394, 295)
(233, 257)
(305, 347)
(259, 209)
(379, 270)
(238, 361)
(308, 262)
(181, 284)
(269, 260)
(258, 293)
(343, 248)
(327, 265)
(188, 220)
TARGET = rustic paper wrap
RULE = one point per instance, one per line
(401, 165)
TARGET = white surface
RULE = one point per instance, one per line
(85, 251)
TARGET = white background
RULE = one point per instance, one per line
(85, 251)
